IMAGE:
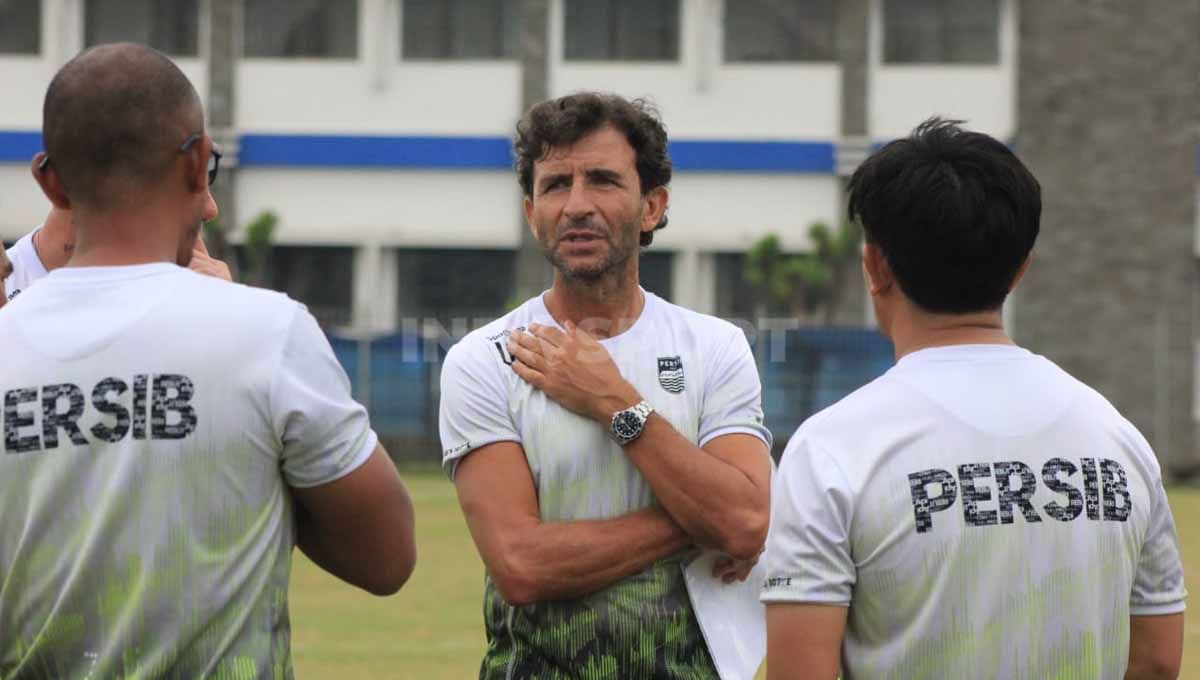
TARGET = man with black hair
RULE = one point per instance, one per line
(168, 437)
(597, 433)
(975, 512)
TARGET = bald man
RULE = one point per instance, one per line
(169, 438)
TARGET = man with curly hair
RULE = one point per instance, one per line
(598, 433)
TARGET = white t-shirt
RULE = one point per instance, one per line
(698, 373)
(983, 513)
(154, 420)
(695, 370)
(27, 266)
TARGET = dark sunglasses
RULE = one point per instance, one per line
(214, 159)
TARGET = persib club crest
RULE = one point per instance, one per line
(670, 374)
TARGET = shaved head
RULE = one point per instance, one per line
(114, 119)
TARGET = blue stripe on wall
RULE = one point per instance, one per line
(495, 153)
(19, 147)
(744, 156)
(478, 153)
(389, 152)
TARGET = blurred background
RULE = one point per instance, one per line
(368, 173)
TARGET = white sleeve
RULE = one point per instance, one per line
(732, 394)
(325, 434)
(808, 556)
(1158, 586)
(474, 405)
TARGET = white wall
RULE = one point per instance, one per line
(901, 96)
(24, 79)
(729, 212)
(449, 209)
(331, 97)
(406, 208)
(22, 205)
(701, 98)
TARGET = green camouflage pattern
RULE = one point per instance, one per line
(640, 628)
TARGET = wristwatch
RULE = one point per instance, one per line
(627, 425)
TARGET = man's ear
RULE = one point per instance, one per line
(654, 204)
(47, 178)
(196, 168)
(878, 272)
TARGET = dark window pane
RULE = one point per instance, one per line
(456, 284)
(301, 28)
(322, 277)
(171, 26)
(622, 30)
(460, 29)
(586, 29)
(941, 31)
(736, 297)
(779, 30)
(655, 270)
(20, 26)
(973, 32)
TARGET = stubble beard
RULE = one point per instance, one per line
(618, 253)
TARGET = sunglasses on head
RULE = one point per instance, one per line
(214, 159)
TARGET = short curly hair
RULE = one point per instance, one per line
(561, 122)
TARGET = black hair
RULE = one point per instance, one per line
(564, 121)
(955, 214)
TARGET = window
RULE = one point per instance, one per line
(322, 277)
(622, 30)
(323, 29)
(736, 297)
(779, 30)
(461, 29)
(20, 26)
(941, 31)
(654, 270)
(468, 285)
(167, 25)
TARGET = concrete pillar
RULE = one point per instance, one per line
(694, 281)
(853, 28)
(533, 272)
(376, 289)
(1111, 134)
(222, 48)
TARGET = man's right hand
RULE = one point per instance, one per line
(729, 569)
(203, 263)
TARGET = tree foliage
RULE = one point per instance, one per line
(803, 284)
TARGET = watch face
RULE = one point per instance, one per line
(627, 425)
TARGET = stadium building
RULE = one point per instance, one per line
(378, 132)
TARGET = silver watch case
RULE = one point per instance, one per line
(627, 425)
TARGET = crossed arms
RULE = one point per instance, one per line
(716, 496)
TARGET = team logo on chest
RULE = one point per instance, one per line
(670, 374)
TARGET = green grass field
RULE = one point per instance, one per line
(432, 629)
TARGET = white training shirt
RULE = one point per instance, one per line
(983, 513)
(154, 420)
(695, 370)
(27, 266)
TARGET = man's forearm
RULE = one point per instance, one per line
(718, 504)
(563, 560)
